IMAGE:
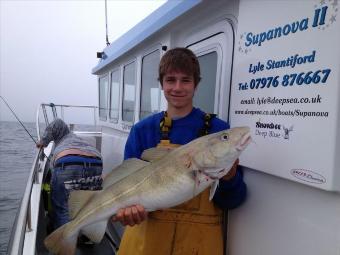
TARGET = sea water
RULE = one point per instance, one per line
(17, 151)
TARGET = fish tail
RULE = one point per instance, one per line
(61, 242)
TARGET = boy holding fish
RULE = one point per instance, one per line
(195, 226)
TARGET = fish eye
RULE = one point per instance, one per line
(224, 137)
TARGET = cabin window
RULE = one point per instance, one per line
(103, 86)
(129, 92)
(114, 99)
(205, 94)
(150, 92)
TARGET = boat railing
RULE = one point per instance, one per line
(52, 111)
(23, 221)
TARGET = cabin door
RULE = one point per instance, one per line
(212, 95)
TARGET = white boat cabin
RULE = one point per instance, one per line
(270, 65)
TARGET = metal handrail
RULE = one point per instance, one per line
(62, 106)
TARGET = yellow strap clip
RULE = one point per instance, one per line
(167, 144)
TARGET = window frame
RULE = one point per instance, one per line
(205, 47)
(226, 38)
(124, 122)
(106, 75)
(114, 120)
(141, 79)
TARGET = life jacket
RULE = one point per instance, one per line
(193, 227)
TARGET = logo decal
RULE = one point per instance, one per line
(287, 131)
(308, 176)
(273, 130)
(324, 15)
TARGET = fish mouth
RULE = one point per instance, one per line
(245, 140)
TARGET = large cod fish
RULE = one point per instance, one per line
(171, 178)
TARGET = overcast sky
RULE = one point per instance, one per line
(48, 49)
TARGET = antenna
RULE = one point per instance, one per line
(107, 36)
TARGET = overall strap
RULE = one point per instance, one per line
(207, 124)
(166, 123)
(165, 126)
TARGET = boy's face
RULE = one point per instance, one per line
(179, 89)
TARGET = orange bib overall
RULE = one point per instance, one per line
(193, 227)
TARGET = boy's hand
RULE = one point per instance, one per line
(131, 215)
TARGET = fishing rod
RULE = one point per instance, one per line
(19, 120)
(42, 155)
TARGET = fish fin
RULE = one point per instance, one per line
(95, 231)
(197, 176)
(58, 243)
(213, 189)
(77, 200)
(216, 172)
(153, 154)
(194, 174)
(128, 167)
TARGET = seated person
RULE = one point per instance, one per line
(76, 165)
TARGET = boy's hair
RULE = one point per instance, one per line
(180, 60)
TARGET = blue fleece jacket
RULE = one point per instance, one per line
(146, 134)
